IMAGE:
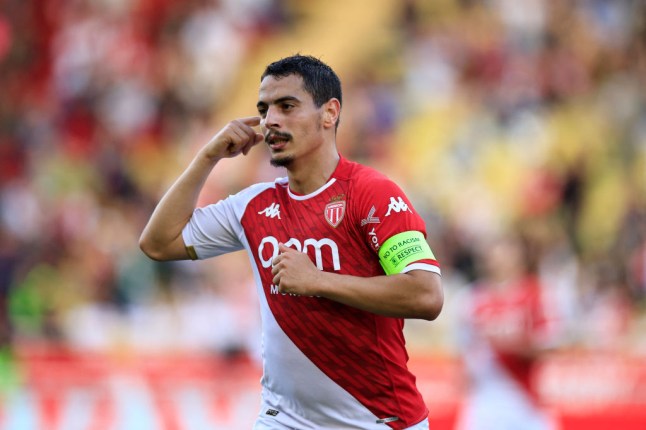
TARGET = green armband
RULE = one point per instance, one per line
(402, 249)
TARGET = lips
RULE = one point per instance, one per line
(277, 140)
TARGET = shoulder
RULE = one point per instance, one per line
(365, 178)
(255, 194)
(352, 170)
(256, 189)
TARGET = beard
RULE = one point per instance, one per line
(285, 161)
(282, 162)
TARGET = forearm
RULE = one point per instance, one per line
(161, 238)
(417, 294)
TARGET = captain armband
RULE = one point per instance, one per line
(402, 249)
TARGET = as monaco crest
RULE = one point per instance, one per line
(334, 212)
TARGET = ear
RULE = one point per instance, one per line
(331, 112)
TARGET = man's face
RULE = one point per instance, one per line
(291, 122)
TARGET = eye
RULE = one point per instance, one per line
(262, 112)
(287, 106)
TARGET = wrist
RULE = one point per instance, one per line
(206, 159)
(323, 285)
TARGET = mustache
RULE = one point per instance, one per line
(277, 135)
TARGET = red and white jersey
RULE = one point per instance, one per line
(517, 317)
(325, 364)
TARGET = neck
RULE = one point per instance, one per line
(308, 175)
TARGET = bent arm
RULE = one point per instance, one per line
(162, 239)
(415, 294)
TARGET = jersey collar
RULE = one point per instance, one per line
(341, 166)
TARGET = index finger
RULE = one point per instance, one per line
(284, 248)
(276, 260)
(250, 120)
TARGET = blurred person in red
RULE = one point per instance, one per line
(338, 253)
(506, 327)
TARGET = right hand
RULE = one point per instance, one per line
(238, 136)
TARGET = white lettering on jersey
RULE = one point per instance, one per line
(371, 219)
(296, 244)
(398, 205)
(373, 238)
(271, 211)
(273, 289)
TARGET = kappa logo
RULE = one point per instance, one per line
(398, 205)
(271, 211)
(371, 219)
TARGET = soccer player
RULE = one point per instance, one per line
(338, 253)
(507, 326)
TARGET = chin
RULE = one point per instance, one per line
(285, 161)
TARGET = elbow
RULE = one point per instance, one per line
(149, 249)
(433, 300)
(160, 249)
(433, 309)
(430, 307)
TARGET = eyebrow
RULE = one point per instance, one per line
(278, 101)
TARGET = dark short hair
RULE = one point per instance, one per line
(319, 80)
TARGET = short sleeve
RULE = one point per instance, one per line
(216, 229)
(213, 230)
(388, 218)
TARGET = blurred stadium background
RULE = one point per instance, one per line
(496, 116)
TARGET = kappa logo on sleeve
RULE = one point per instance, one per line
(271, 211)
(398, 205)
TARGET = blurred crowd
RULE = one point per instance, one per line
(499, 118)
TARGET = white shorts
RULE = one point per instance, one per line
(502, 405)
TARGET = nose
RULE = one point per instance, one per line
(271, 119)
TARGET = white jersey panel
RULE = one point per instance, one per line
(215, 229)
